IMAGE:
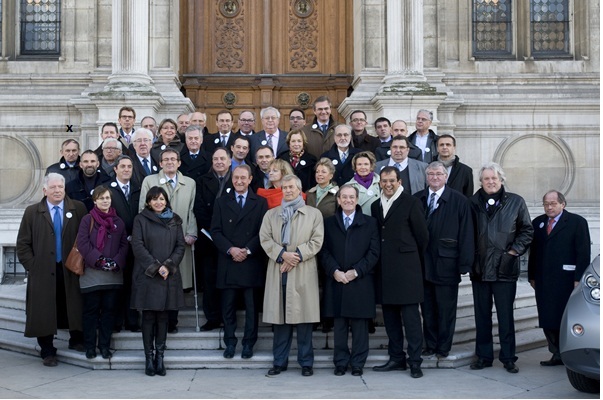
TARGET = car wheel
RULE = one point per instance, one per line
(583, 383)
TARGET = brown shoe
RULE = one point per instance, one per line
(50, 361)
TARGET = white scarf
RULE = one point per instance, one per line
(387, 203)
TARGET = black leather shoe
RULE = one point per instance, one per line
(356, 371)
(428, 352)
(172, 329)
(442, 354)
(391, 366)
(210, 326)
(339, 371)
(307, 371)
(481, 364)
(229, 352)
(106, 353)
(511, 367)
(552, 362)
(415, 371)
(247, 352)
(90, 354)
(275, 370)
(50, 361)
(77, 347)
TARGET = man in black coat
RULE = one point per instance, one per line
(143, 164)
(89, 177)
(125, 195)
(424, 138)
(460, 176)
(404, 238)
(235, 230)
(349, 254)
(448, 255)
(559, 254)
(69, 164)
(194, 162)
(341, 154)
(361, 140)
(213, 185)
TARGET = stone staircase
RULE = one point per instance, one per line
(189, 349)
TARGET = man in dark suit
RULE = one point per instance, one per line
(361, 139)
(263, 158)
(460, 176)
(349, 255)
(412, 171)
(246, 123)
(271, 135)
(142, 162)
(341, 154)
(235, 227)
(126, 119)
(559, 254)
(125, 196)
(194, 161)
(224, 137)
(214, 184)
(404, 238)
(424, 138)
(449, 254)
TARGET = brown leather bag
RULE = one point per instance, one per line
(75, 260)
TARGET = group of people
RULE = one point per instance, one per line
(322, 222)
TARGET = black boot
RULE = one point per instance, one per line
(160, 338)
(148, 338)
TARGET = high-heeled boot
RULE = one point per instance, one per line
(148, 338)
(160, 338)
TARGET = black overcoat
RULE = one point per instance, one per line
(461, 178)
(196, 168)
(355, 248)
(235, 227)
(343, 171)
(451, 245)
(404, 237)
(156, 242)
(127, 210)
(556, 261)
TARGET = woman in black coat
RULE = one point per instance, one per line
(158, 245)
(301, 161)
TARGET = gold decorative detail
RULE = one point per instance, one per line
(303, 35)
(303, 8)
(229, 99)
(230, 8)
(230, 36)
(303, 99)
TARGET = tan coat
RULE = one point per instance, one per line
(307, 234)
(182, 201)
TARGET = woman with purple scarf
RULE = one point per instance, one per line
(366, 180)
(103, 243)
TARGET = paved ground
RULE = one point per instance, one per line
(24, 376)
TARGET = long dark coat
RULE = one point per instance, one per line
(233, 227)
(127, 210)
(404, 237)
(36, 251)
(155, 243)
(461, 178)
(567, 245)
(343, 171)
(194, 168)
(355, 248)
(451, 245)
(207, 192)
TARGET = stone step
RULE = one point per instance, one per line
(194, 359)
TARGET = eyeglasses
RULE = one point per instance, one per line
(356, 120)
(247, 120)
(342, 135)
(438, 174)
(142, 141)
(271, 118)
(296, 118)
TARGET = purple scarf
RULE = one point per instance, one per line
(105, 225)
(365, 181)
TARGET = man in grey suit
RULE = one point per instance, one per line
(411, 170)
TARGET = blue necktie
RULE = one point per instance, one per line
(431, 206)
(241, 204)
(58, 227)
(346, 223)
(145, 165)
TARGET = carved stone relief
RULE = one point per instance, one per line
(303, 35)
(230, 35)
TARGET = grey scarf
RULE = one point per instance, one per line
(289, 209)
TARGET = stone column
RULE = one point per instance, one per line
(130, 52)
(404, 41)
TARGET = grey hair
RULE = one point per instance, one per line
(292, 177)
(192, 128)
(264, 110)
(139, 131)
(493, 167)
(53, 176)
(426, 112)
(348, 186)
(346, 126)
(111, 140)
(436, 165)
(190, 116)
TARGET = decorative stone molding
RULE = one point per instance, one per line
(230, 36)
(20, 169)
(303, 35)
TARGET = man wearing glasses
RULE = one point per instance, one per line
(271, 135)
(361, 139)
(143, 163)
(127, 118)
(246, 123)
(111, 151)
(297, 119)
(411, 170)
(449, 254)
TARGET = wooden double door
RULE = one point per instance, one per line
(250, 54)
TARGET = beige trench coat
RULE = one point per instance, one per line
(182, 200)
(307, 234)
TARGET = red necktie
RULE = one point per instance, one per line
(549, 227)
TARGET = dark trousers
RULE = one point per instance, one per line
(393, 315)
(360, 342)
(124, 315)
(229, 314)
(439, 316)
(504, 296)
(211, 295)
(99, 312)
(552, 338)
(46, 343)
(281, 344)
